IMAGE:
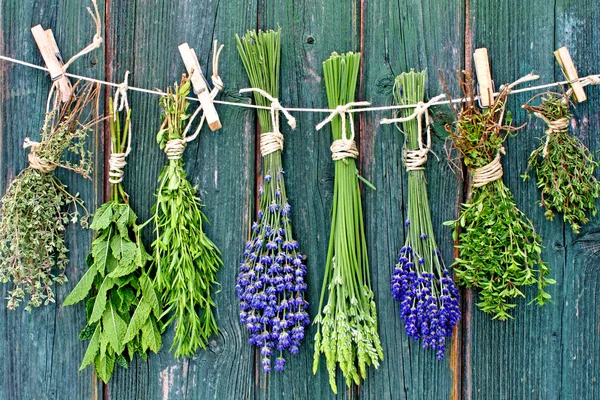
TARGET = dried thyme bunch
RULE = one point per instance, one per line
(37, 205)
(270, 283)
(122, 308)
(564, 166)
(186, 260)
(421, 283)
(347, 322)
(499, 250)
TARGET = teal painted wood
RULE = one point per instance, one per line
(307, 41)
(417, 34)
(145, 38)
(41, 350)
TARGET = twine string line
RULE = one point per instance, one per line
(272, 141)
(117, 161)
(346, 146)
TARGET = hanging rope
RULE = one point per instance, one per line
(272, 141)
(344, 147)
(415, 159)
(174, 148)
(117, 162)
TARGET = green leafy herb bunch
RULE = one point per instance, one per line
(347, 318)
(185, 259)
(271, 280)
(37, 206)
(499, 250)
(121, 305)
(563, 165)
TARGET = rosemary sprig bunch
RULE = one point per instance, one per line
(186, 260)
(37, 206)
(347, 322)
(499, 250)
(421, 283)
(563, 165)
(122, 308)
(270, 283)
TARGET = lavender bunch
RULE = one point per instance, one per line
(421, 283)
(271, 279)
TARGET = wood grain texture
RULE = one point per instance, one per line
(419, 35)
(544, 353)
(40, 349)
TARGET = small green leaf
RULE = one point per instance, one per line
(83, 287)
(104, 365)
(100, 303)
(151, 338)
(103, 216)
(92, 349)
(114, 328)
(138, 320)
(150, 295)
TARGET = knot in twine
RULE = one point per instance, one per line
(174, 148)
(489, 173)
(117, 162)
(346, 146)
(415, 159)
(559, 125)
(272, 141)
(215, 78)
(35, 162)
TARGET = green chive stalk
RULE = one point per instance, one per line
(186, 260)
(563, 165)
(347, 322)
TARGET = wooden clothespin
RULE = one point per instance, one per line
(51, 55)
(484, 77)
(568, 68)
(200, 86)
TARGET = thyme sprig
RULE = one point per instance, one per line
(37, 206)
(421, 283)
(347, 323)
(122, 308)
(271, 279)
(185, 259)
(499, 250)
(563, 165)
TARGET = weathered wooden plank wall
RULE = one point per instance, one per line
(545, 352)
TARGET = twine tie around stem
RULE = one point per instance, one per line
(346, 146)
(559, 125)
(490, 172)
(117, 162)
(36, 162)
(272, 141)
(174, 148)
(415, 159)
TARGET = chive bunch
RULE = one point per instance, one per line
(499, 250)
(347, 319)
(421, 283)
(564, 166)
(271, 279)
(186, 260)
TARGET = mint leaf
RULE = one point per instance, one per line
(100, 303)
(83, 287)
(149, 295)
(140, 316)
(151, 338)
(103, 216)
(92, 349)
(114, 328)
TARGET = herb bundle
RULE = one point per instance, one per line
(499, 250)
(122, 308)
(347, 323)
(564, 166)
(37, 206)
(271, 279)
(186, 260)
(421, 283)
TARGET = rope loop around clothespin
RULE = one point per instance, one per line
(215, 78)
(490, 172)
(272, 141)
(346, 146)
(415, 159)
(117, 161)
(36, 162)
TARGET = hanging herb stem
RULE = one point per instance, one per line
(270, 283)
(421, 283)
(122, 308)
(37, 206)
(499, 250)
(186, 260)
(347, 322)
(563, 165)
